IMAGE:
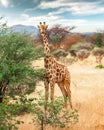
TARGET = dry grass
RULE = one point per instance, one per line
(87, 88)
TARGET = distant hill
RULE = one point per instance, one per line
(33, 30)
(88, 33)
(24, 28)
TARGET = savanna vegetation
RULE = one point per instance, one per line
(19, 77)
(18, 80)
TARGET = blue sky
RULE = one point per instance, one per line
(85, 15)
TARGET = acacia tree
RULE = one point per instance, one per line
(56, 34)
(16, 54)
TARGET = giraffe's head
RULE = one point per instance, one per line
(42, 27)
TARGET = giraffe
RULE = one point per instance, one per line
(55, 72)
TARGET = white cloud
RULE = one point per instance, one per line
(52, 4)
(26, 19)
(5, 3)
(24, 16)
(86, 8)
(77, 8)
(30, 9)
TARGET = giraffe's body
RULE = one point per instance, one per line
(55, 72)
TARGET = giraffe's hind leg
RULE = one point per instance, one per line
(67, 85)
(64, 92)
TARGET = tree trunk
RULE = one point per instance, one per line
(1, 93)
(3, 87)
(1, 98)
(42, 123)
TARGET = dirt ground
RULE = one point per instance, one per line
(87, 86)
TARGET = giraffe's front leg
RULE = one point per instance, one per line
(52, 86)
(46, 84)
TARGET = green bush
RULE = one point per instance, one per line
(7, 120)
(55, 115)
(99, 54)
(100, 66)
(74, 48)
(60, 53)
(98, 40)
(98, 51)
(82, 54)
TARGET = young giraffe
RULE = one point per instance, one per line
(55, 72)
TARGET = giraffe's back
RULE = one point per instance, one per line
(56, 71)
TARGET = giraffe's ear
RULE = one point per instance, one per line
(47, 26)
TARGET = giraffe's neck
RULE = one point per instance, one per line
(46, 44)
